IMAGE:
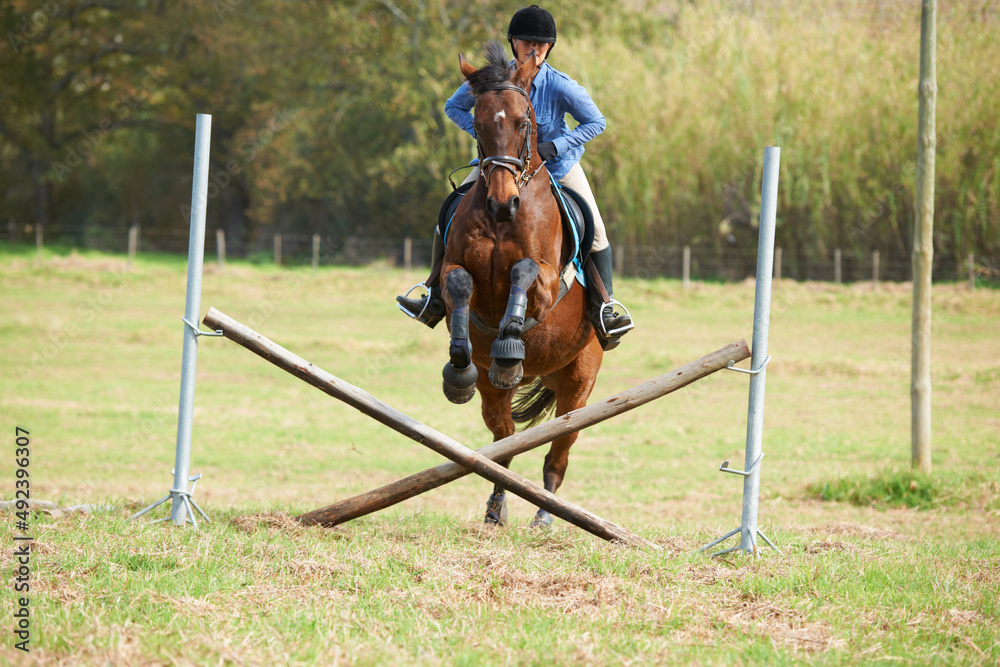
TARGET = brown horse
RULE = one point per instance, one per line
(504, 255)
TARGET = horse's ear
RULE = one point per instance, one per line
(464, 65)
(526, 72)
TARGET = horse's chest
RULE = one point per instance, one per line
(485, 245)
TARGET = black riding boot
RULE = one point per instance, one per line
(428, 309)
(609, 325)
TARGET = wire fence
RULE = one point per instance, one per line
(640, 261)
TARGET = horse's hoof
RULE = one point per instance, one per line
(542, 520)
(507, 350)
(506, 377)
(493, 519)
(459, 383)
(496, 510)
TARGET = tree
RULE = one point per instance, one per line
(70, 74)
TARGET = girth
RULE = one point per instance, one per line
(567, 276)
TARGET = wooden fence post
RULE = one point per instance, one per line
(972, 272)
(133, 244)
(315, 251)
(220, 247)
(39, 242)
(407, 253)
(619, 260)
(777, 263)
(875, 268)
(837, 256)
(923, 244)
(686, 267)
(277, 249)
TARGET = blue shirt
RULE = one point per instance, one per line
(553, 95)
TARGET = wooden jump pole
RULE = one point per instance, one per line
(425, 435)
(529, 439)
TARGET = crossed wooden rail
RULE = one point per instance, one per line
(465, 460)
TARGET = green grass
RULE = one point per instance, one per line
(894, 489)
(908, 488)
(90, 356)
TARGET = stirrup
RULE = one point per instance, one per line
(620, 331)
(427, 301)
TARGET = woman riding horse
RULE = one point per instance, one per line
(511, 314)
(532, 35)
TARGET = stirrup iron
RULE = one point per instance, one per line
(427, 301)
(615, 333)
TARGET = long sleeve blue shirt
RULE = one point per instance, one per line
(553, 95)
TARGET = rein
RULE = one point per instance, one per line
(487, 165)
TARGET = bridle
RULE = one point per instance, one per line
(487, 165)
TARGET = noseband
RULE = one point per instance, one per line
(487, 165)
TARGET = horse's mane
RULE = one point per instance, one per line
(496, 71)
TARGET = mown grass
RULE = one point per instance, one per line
(90, 353)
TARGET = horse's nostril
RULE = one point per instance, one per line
(515, 203)
(491, 205)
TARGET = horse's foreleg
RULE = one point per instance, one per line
(497, 417)
(459, 373)
(508, 349)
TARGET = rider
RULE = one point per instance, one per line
(553, 95)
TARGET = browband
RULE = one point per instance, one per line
(509, 86)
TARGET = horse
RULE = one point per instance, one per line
(501, 271)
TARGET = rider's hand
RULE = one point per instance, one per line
(547, 150)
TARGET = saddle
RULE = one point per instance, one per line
(577, 220)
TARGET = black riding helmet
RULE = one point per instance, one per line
(532, 24)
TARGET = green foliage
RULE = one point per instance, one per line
(327, 117)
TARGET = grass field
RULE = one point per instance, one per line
(888, 568)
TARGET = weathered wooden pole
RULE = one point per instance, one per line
(133, 244)
(686, 267)
(837, 261)
(529, 439)
(39, 243)
(923, 246)
(875, 268)
(220, 248)
(777, 263)
(425, 435)
(315, 260)
(277, 249)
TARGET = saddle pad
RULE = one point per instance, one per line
(578, 221)
(450, 205)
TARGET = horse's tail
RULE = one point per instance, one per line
(533, 403)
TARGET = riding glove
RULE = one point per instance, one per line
(547, 150)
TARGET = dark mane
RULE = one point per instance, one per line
(496, 71)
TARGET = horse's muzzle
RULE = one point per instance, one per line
(503, 212)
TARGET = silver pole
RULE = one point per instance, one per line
(192, 310)
(761, 322)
